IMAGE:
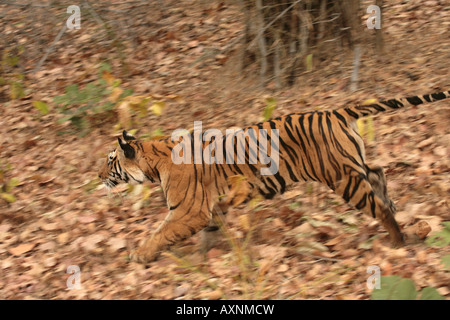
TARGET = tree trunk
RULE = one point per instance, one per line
(280, 34)
(379, 41)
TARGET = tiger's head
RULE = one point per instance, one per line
(122, 164)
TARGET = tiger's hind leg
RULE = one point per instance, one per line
(356, 189)
(377, 180)
(211, 234)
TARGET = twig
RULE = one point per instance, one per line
(55, 6)
(94, 14)
(276, 62)
(336, 15)
(232, 43)
(29, 5)
(356, 63)
(379, 42)
(270, 23)
(50, 48)
(319, 258)
(331, 40)
(304, 34)
(323, 14)
(262, 44)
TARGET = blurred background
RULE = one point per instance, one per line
(69, 86)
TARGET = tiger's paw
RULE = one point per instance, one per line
(398, 241)
(392, 207)
(141, 255)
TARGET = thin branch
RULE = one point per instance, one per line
(50, 48)
(336, 15)
(262, 44)
(356, 63)
(276, 64)
(270, 23)
(53, 6)
(94, 14)
(30, 5)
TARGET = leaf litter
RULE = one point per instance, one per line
(306, 244)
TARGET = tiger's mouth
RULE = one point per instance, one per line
(110, 183)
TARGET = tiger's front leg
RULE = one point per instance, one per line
(150, 250)
(177, 226)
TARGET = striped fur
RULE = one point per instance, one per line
(313, 146)
(393, 104)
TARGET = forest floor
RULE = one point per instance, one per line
(304, 244)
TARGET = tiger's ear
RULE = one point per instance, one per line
(127, 149)
(127, 136)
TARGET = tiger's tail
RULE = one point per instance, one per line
(376, 106)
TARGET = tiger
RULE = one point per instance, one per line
(322, 146)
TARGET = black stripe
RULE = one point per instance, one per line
(438, 96)
(377, 107)
(311, 134)
(340, 117)
(274, 186)
(333, 161)
(282, 182)
(369, 107)
(351, 113)
(371, 197)
(254, 142)
(147, 175)
(324, 143)
(356, 187)
(158, 152)
(392, 103)
(267, 195)
(352, 139)
(289, 132)
(175, 206)
(139, 181)
(211, 228)
(427, 97)
(362, 203)
(345, 194)
(414, 100)
(305, 153)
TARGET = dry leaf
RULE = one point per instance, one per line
(157, 107)
(123, 111)
(115, 94)
(213, 295)
(244, 221)
(239, 191)
(62, 238)
(422, 229)
(108, 77)
(117, 243)
(283, 268)
(21, 249)
(63, 220)
(50, 226)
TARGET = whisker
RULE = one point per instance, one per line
(112, 192)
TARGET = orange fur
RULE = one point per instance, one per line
(318, 146)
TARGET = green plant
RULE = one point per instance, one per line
(83, 106)
(442, 238)
(398, 288)
(7, 185)
(271, 104)
(446, 261)
(9, 75)
(41, 106)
